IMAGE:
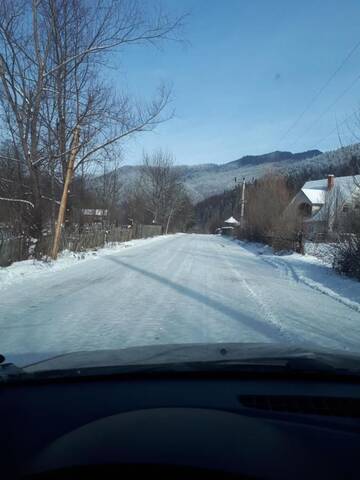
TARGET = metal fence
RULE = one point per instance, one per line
(16, 248)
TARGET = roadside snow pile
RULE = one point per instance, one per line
(313, 271)
(19, 271)
(255, 247)
(321, 277)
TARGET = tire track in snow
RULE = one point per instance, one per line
(264, 306)
(289, 273)
(283, 268)
(298, 277)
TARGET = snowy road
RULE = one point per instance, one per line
(181, 288)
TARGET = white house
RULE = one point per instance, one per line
(323, 202)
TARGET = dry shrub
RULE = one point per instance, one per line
(347, 256)
(266, 218)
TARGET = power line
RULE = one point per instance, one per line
(320, 91)
(324, 112)
(332, 131)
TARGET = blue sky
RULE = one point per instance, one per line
(248, 70)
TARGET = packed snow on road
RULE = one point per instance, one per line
(175, 289)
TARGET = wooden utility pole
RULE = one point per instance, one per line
(75, 146)
(235, 202)
(242, 203)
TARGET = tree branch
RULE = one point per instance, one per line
(17, 200)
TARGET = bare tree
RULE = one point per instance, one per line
(162, 188)
(52, 97)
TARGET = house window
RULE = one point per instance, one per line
(305, 209)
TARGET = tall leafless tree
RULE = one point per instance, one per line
(162, 188)
(53, 99)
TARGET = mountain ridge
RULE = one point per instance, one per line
(205, 180)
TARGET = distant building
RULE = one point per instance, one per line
(94, 212)
(93, 216)
(323, 204)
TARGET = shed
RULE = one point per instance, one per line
(231, 221)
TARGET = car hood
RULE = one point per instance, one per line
(191, 353)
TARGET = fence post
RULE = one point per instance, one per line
(301, 243)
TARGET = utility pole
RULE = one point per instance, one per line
(234, 203)
(75, 146)
(242, 203)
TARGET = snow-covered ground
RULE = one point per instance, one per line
(175, 289)
(29, 269)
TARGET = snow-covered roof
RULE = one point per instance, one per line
(343, 192)
(316, 190)
(315, 196)
(232, 221)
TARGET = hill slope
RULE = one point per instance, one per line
(205, 180)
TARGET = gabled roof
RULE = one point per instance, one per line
(344, 190)
(316, 190)
(315, 196)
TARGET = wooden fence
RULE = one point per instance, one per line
(294, 243)
(14, 249)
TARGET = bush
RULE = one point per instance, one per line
(266, 217)
(347, 257)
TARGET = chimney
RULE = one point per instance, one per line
(330, 182)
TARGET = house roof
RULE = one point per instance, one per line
(343, 192)
(232, 221)
(316, 190)
(315, 195)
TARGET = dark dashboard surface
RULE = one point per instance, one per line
(197, 423)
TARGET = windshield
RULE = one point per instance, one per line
(179, 173)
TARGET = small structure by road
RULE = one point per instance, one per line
(232, 222)
(228, 227)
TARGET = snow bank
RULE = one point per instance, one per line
(25, 269)
(315, 271)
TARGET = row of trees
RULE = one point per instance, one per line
(58, 114)
(211, 212)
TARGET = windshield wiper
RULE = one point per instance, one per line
(9, 371)
(310, 365)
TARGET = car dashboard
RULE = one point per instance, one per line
(184, 426)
